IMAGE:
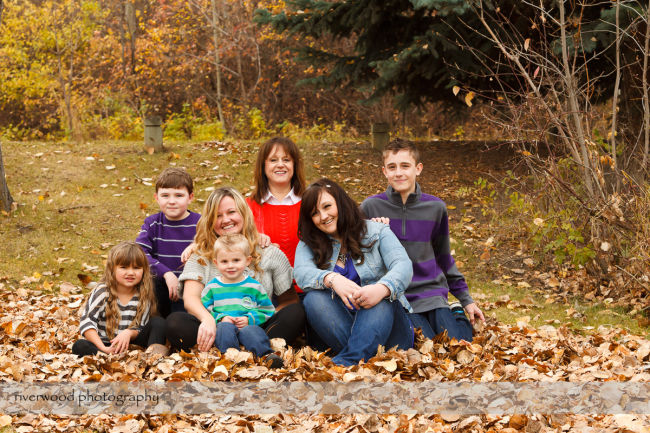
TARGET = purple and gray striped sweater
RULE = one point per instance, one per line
(422, 226)
(164, 240)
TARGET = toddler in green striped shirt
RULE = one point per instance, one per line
(238, 303)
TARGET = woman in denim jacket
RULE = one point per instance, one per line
(354, 272)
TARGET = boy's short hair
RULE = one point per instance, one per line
(400, 144)
(173, 177)
(232, 243)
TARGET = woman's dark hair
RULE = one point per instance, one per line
(262, 182)
(350, 225)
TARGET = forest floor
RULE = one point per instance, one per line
(76, 201)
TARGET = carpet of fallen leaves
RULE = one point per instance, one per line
(37, 331)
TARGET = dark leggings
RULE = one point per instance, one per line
(287, 323)
(165, 305)
(154, 332)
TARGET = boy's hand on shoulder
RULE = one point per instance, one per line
(474, 312)
(263, 240)
(187, 252)
(172, 285)
(382, 220)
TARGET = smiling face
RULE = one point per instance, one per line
(326, 214)
(127, 277)
(401, 170)
(229, 220)
(173, 202)
(278, 168)
(231, 265)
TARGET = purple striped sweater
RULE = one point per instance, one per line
(163, 241)
(422, 226)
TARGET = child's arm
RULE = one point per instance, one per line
(92, 336)
(263, 312)
(146, 241)
(455, 279)
(172, 285)
(90, 317)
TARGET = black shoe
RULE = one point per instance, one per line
(273, 361)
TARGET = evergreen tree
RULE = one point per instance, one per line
(417, 50)
(400, 46)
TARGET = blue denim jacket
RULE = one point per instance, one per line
(386, 262)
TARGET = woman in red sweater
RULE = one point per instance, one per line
(279, 184)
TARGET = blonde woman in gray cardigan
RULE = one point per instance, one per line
(226, 212)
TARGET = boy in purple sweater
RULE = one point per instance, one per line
(421, 224)
(165, 235)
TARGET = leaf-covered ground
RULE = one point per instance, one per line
(93, 201)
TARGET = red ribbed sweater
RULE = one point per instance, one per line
(280, 223)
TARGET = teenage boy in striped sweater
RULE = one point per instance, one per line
(421, 224)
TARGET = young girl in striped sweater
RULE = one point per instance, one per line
(120, 309)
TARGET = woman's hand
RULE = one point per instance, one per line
(345, 289)
(263, 240)
(187, 252)
(474, 312)
(121, 342)
(370, 295)
(206, 334)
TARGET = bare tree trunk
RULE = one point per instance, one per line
(241, 80)
(646, 101)
(217, 64)
(65, 88)
(616, 87)
(574, 107)
(129, 17)
(5, 196)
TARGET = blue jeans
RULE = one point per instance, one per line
(252, 337)
(434, 322)
(355, 335)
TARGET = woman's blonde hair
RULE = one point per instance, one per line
(206, 235)
(127, 254)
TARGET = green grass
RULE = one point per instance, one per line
(75, 201)
(582, 317)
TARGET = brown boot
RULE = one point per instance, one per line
(158, 348)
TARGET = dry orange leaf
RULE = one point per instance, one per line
(85, 279)
(469, 97)
(42, 346)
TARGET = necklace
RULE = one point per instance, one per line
(342, 258)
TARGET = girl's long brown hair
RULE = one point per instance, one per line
(350, 225)
(262, 182)
(127, 254)
(205, 234)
